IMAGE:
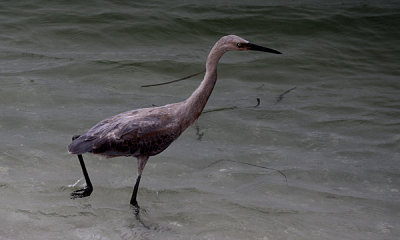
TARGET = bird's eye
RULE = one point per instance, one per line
(239, 45)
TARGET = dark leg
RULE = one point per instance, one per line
(142, 160)
(135, 191)
(86, 191)
(134, 203)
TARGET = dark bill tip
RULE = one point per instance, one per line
(251, 46)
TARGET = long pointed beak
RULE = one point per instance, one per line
(251, 46)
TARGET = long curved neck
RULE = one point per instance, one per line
(194, 105)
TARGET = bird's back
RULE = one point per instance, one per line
(146, 131)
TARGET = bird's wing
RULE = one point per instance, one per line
(128, 133)
(99, 133)
(148, 135)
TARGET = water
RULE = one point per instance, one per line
(66, 65)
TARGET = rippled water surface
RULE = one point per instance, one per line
(328, 119)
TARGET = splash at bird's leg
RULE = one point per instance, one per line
(134, 202)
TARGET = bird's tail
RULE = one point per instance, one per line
(80, 145)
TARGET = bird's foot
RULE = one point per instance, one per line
(81, 193)
(137, 209)
(135, 206)
(138, 212)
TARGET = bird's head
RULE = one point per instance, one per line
(236, 43)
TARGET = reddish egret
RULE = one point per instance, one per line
(147, 132)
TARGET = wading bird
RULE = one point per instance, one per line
(147, 132)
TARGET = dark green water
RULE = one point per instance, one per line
(66, 65)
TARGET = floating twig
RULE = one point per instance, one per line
(280, 97)
(254, 165)
(173, 81)
(219, 109)
(261, 86)
(198, 133)
(231, 108)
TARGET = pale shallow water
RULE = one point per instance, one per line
(336, 136)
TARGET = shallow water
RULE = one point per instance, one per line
(336, 135)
